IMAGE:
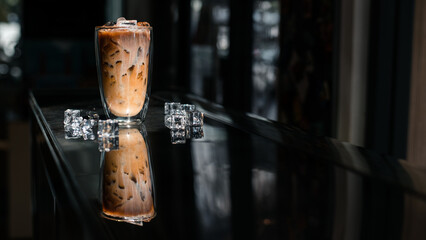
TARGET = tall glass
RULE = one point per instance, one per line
(127, 181)
(123, 57)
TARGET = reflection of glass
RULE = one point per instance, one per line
(127, 184)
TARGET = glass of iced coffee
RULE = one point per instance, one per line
(127, 183)
(123, 57)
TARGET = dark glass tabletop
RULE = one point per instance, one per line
(247, 178)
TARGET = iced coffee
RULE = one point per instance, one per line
(123, 58)
(127, 185)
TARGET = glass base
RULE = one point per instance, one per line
(132, 220)
(135, 221)
(129, 122)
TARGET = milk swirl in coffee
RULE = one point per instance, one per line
(124, 62)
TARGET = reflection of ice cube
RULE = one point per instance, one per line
(194, 132)
(87, 129)
(178, 136)
(73, 128)
(177, 121)
(197, 132)
(107, 128)
(108, 131)
(107, 144)
(71, 114)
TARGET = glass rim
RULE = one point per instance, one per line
(123, 27)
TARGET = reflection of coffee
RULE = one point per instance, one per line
(127, 186)
(124, 60)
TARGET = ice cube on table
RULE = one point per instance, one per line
(87, 129)
(167, 107)
(76, 126)
(93, 118)
(73, 128)
(195, 118)
(72, 133)
(178, 136)
(107, 128)
(71, 114)
(171, 108)
(188, 107)
(175, 108)
(92, 115)
(167, 121)
(89, 136)
(184, 121)
(177, 121)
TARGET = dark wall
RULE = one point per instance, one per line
(391, 33)
(308, 64)
(58, 43)
(47, 19)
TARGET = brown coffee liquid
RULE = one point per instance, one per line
(127, 187)
(124, 59)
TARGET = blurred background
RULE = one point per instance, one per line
(333, 68)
